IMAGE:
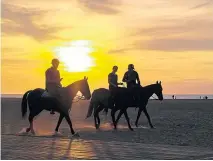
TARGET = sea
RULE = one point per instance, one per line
(166, 96)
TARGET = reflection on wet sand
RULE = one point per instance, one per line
(75, 149)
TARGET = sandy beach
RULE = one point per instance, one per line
(184, 130)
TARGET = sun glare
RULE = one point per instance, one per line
(75, 55)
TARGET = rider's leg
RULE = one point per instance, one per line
(55, 92)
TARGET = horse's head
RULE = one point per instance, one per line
(84, 88)
(159, 90)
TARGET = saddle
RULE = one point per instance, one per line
(46, 94)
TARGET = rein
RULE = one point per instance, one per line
(78, 98)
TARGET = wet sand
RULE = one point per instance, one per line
(184, 130)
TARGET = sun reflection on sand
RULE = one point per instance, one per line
(71, 149)
(80, 150)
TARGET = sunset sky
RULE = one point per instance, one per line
(167, 40)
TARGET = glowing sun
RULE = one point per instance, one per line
(75, 55)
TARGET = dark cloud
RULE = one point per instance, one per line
(118, 51)
(207, 3)
(161, 31)
(173, 45)
(101, 6)
(18, 20)
(167, 37)
(170, 37)
(176, 45)
(177, 26)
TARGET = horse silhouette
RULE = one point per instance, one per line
(37, 102)
(121, 100)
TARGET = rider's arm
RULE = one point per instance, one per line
(58, 77)
(125, 78)
(137, 78)
(110, 82)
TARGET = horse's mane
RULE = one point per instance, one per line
(150, 86)
(74, 83)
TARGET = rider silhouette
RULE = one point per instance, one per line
(131, 76)
(113, 78)
(113, 82)
(53, 80)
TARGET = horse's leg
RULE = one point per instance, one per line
(147, 115)
(67, 117)
(119, 116)
(34, 111)
(98, 111)
(95, 121)
(28, 129)
(31, 123)
(99, 121)
(59, 122)
(127, 119)
(96, 118)
(138, 116)
(113, 117)
(30, 118)
(96, 115)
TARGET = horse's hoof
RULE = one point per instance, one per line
(131, 129)
(96, 126)
(56, 133)
(152, 127)
(33, 132)
(27, 130)
(112, 124)
(23, 132)
(76, 135)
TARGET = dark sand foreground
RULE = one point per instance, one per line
(184, 130)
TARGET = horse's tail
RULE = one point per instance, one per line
(90, 109)
(24, 104)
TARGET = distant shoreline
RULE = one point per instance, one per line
(166, 97)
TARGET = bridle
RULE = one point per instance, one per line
(78, 98)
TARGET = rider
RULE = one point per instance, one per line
(131, 76)
(113, 78)
(53, 80)
(113, 82)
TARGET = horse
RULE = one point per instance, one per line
(37, 102)
(138, 97)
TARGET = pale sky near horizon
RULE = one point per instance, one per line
(167, 40)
